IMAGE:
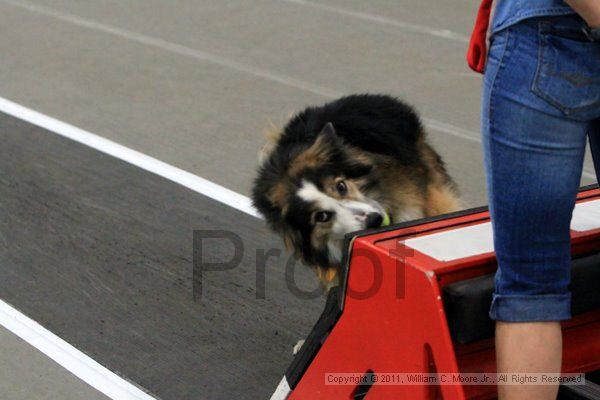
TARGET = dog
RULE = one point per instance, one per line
(355, 163)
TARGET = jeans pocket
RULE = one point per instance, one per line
(568, 70)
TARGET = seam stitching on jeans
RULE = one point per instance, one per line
(494, 80)
(538, 13)
(493, 87)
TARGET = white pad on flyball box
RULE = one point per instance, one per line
(478, 239)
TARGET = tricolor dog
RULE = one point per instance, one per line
(358, 162)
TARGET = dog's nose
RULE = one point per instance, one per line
(374, 220)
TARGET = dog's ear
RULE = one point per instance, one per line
(273, 134)
(265, 152)
(328, 130)
(325, 148)
(328, 138)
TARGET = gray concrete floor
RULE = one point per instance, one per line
(101, 254)
(195, 86)
(195, 83)
(25, 373)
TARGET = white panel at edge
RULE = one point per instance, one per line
(477, 239)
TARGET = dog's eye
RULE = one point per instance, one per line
(322, 216)
(341, 188)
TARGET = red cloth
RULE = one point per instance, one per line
(477, 52)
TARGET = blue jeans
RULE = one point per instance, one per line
(541, 99)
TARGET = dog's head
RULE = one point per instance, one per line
(313, 194)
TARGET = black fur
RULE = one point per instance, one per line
(374, 123)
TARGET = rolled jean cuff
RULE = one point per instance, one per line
(531, 308)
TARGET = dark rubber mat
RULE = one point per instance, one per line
(100, 252)
(467, 303)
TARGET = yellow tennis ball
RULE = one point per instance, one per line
(386, 220)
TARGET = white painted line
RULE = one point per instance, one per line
(473, 137)
(451, 130)
(282, 391)
(224, 62)
(237, 66)
(216, 59)
(171, 47)
(76, 362)
(477, 239)
(177, 175)
(415, 28)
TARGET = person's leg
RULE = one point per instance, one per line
(533, 157)
(528, 347)
(534, 189)
(539, 344)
